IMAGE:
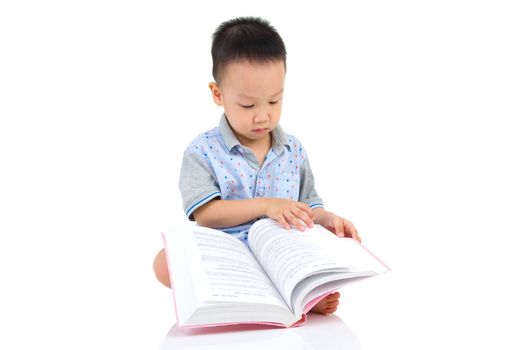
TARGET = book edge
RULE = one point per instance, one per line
(373, 255)
(170, 278)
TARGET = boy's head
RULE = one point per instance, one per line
(249, 67)
(249, 39)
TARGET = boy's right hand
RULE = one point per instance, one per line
(288, 212)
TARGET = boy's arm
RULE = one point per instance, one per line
(226, 213)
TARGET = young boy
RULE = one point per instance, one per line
(248, 167)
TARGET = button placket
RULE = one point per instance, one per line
(262, 175)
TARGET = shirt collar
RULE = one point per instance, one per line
(278, 136)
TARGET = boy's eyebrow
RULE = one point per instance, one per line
(251, 97)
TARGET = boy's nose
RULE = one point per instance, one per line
(261, 116)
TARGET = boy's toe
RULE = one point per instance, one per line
(332, 303)
(330, 310)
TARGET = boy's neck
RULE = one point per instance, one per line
(260, 148)
(262, 144)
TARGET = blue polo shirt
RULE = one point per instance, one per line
(217, 165)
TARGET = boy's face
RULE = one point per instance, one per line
(251, 94)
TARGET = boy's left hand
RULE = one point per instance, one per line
(339, 226)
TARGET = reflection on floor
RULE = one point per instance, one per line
(319, 332)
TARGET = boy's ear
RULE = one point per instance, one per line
(217, 94)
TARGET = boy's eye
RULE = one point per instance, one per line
(273, 102)
(247, 106)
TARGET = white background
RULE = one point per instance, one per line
(413, 114)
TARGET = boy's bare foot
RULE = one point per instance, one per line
(328, 304)
(161, 269)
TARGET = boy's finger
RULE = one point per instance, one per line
(349, 229)
(306, 208)
(352, 230)
(283, 223)
(292, 219)
(302, 215)
(339, 229)
(357, 238)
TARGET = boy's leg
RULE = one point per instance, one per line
(161, 269)
(327, 305)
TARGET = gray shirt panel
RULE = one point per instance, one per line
(307, 191)
(198, 183)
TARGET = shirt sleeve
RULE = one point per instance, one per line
(307, 192)
(198, 184)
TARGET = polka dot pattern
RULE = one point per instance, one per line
(238, 174)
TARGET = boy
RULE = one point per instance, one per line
(248, 167)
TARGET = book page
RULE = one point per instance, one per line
(289, 256)
(232, 273)
(314, 286)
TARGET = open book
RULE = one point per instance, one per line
(218, 280)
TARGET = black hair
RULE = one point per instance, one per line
(250, 39)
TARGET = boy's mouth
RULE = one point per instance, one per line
(260, 130)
